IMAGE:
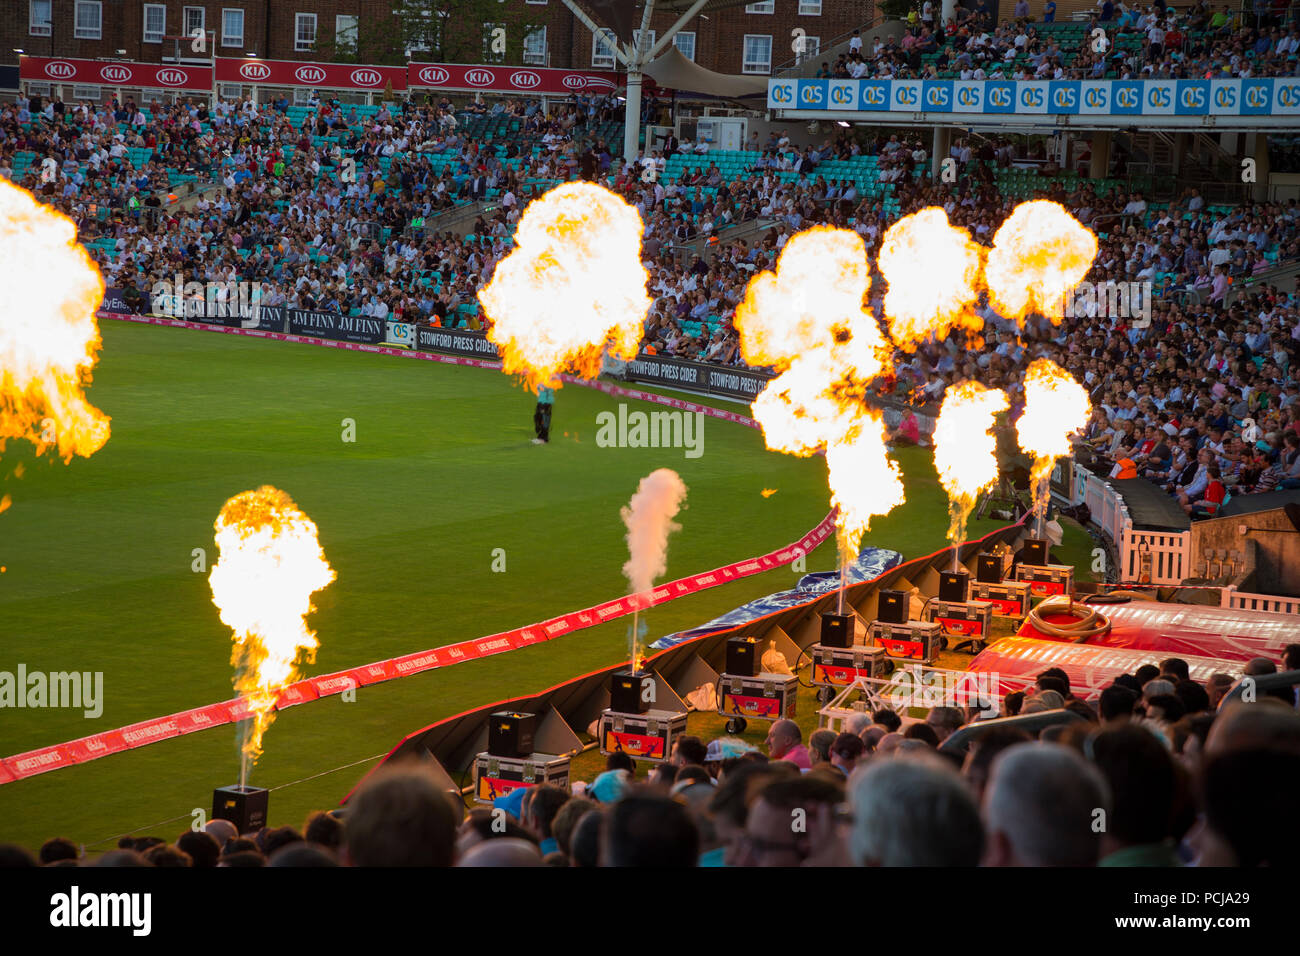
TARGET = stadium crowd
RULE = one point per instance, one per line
(336, 211)
(1159, 771)
(1122, 42)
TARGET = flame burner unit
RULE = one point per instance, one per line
(245, 807)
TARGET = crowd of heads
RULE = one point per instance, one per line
(1198, 42)
(1198, 393)
(1159, 770)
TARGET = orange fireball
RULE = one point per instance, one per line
(572, 289)
(270, 564)
(49, 338)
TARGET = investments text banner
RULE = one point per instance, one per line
(341, 328)
(1227, 97)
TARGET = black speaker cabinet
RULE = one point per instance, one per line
(990, 569)
(954, 586)
(837, 630)
(245, 807)
(1034, 552)
(743, 657)
(892, 608)
(510, 734)
(625, 692)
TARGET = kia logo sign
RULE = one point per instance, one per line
(171, 77)
(598, 83)
(525, 80)
(434, 75)
(60, 70)
(255, 71)
(367, 77)
(115, 74)
(479, 77)
(573, 81)
(310, 74)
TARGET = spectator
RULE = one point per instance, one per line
(785, 742)
(913, 812)
(1141, 776)
(1041, 806)
(770, 839)
(649, 831)
(399, 817)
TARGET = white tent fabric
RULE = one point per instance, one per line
(674, 71)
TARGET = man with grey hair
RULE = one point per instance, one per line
(857, 723)
(945, 721)
(913, 810)
(1044, 806)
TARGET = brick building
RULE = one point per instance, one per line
(755, 38)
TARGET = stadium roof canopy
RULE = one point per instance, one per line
(676, 72)
(625, 17)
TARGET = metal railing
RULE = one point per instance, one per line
(1230, 597)
(825, 50)
(1149, 557)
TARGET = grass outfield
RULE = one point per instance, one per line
(98, 556)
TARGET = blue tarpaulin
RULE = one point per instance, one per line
(871, 563)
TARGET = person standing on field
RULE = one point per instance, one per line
(542, 415)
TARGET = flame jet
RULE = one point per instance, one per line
(807, 320)
(933, 271)
(270, 563)
(573, 288)
(49, 339)
(1055, 406)
(965, 450)
(1039, 254)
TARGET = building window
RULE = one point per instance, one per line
(304, 31)
(602, 49)
(88, 20)
(758, 53)
(345, 33)
(38, 18)
(231, 91)
(422, 30)
(494, 43)
(155, 22)
(232, 27)
(535, 47)
(90, 93)
(194, 21)
(766, 6)
(810, 8)
(540, 3)
(649, 41)
(807, 47)
(685, 43)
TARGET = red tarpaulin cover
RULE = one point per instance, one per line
(1179, 630)
(1018, 660)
